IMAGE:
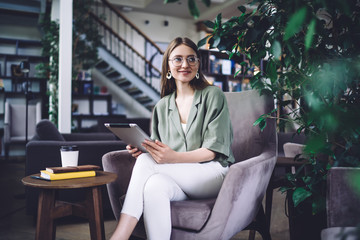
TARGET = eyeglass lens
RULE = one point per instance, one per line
(178, 61)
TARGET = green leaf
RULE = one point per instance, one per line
(295, 23)
(271, 71)
(209, 24)
(206, 2)
(216, 41)
(299, 195)
(194, 11)
(203, 41)
(261, 121)
(242, 9)
(276, 49)
(309, 38)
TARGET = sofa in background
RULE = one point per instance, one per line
(43, 150)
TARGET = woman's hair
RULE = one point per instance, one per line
(168, 85)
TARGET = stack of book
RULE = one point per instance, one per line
(60, 173)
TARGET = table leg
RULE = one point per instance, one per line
(96, 221)
(45, 229)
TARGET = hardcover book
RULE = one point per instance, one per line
(72, 168)
(67, 175)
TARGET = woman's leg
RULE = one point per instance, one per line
(169, 184)
(195, 179)
(124, 228)
(159, 191)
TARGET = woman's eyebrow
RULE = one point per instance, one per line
(191, 55)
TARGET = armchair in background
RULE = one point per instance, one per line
(238, 205)
(43, 150)
(15, 126)
(342, 204)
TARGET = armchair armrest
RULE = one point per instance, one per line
(241, 194)
(6, 133)
(121, 163)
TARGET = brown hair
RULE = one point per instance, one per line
(168, 85)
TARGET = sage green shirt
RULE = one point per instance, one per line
(208, 125)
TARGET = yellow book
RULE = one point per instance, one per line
(68, 175)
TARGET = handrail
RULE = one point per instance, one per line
(121, 39)
(128, 43)
(119, 14)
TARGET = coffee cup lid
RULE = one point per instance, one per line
(69, 148)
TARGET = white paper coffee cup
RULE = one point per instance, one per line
(69, 155)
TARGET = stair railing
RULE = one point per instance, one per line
(128, 43)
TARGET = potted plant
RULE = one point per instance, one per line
(312, 55)
(86, 40)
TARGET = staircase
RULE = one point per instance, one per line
(127, 59)
(127, 56)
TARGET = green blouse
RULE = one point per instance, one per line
(208, 126)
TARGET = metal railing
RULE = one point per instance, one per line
(128, 43)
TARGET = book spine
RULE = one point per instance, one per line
(68, 175)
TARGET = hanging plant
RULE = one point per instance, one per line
(86, 40)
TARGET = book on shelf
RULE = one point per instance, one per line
(72, 168)
(66, 175)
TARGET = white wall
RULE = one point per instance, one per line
(155, 29)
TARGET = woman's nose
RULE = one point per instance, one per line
(185, 63)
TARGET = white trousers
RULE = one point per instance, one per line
(153, 186)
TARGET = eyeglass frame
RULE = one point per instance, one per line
(197, 60)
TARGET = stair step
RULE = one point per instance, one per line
(150, 107)
(113, 74)
(133, 91)
(102, 65)
(143, 99)
(122, 82)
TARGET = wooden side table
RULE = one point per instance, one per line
(50, 209)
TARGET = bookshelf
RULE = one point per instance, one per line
(220, 70)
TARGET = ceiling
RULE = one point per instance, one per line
(179, 9)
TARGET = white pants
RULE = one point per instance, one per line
(153, 186)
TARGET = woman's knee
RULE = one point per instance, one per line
(162, 186)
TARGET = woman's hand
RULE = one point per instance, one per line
(160, 152)
(133, 151)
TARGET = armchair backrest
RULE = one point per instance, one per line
(15, 118)
(245, 108)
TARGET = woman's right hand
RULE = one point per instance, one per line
(135, 152)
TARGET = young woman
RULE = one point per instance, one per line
(191, 151)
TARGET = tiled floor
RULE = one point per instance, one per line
(16, 225)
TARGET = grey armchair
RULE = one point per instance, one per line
(239, 203)
(342, 204)
(14, 123)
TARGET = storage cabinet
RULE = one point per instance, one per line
(220, 70)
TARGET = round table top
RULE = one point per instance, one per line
(101, 178)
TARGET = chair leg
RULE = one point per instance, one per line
(268, 204)
(6, 151)
(252, 234)
(260, 225)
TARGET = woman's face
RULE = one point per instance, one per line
(183, 63)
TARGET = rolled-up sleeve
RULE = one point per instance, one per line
(218, 134)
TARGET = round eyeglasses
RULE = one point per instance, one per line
(178, 61)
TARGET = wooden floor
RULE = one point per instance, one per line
(16, 225)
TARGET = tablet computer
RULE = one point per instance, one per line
(130, 133)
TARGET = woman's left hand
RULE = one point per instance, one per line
(160, 152)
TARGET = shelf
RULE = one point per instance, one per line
(220, 70)
(24, 78)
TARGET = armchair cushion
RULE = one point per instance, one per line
(46, 130)
(191, 214)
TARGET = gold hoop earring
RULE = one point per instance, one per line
(168, 75)
(197, 75)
